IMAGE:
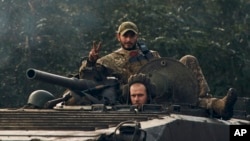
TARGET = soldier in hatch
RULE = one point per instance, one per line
(128, 60)
(139, 90)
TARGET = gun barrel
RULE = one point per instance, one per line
(71, 83)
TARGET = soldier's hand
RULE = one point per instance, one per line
(94, 52)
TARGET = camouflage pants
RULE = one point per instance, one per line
(192, 63)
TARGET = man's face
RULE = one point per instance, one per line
(128, 39)
(138, 94)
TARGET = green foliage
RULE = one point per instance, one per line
(53, 35)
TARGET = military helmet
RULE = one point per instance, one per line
(139, 78)
(39, 97)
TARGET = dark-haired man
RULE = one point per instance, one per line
(126, 60)
(131, 56)
(139, 90)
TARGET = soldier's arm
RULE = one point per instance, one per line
(94, 52)
(93, 56)
(156, 54)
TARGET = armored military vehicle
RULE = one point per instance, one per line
(174, 118)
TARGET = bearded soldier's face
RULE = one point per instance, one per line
(128, 40)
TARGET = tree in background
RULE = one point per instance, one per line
(53, 35)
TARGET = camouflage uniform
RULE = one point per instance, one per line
(123, 63)
(192, 63)
(221, 107)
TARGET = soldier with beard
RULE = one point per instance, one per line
(132, 55)
(126, 60)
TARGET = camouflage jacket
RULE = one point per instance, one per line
(123, 63)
